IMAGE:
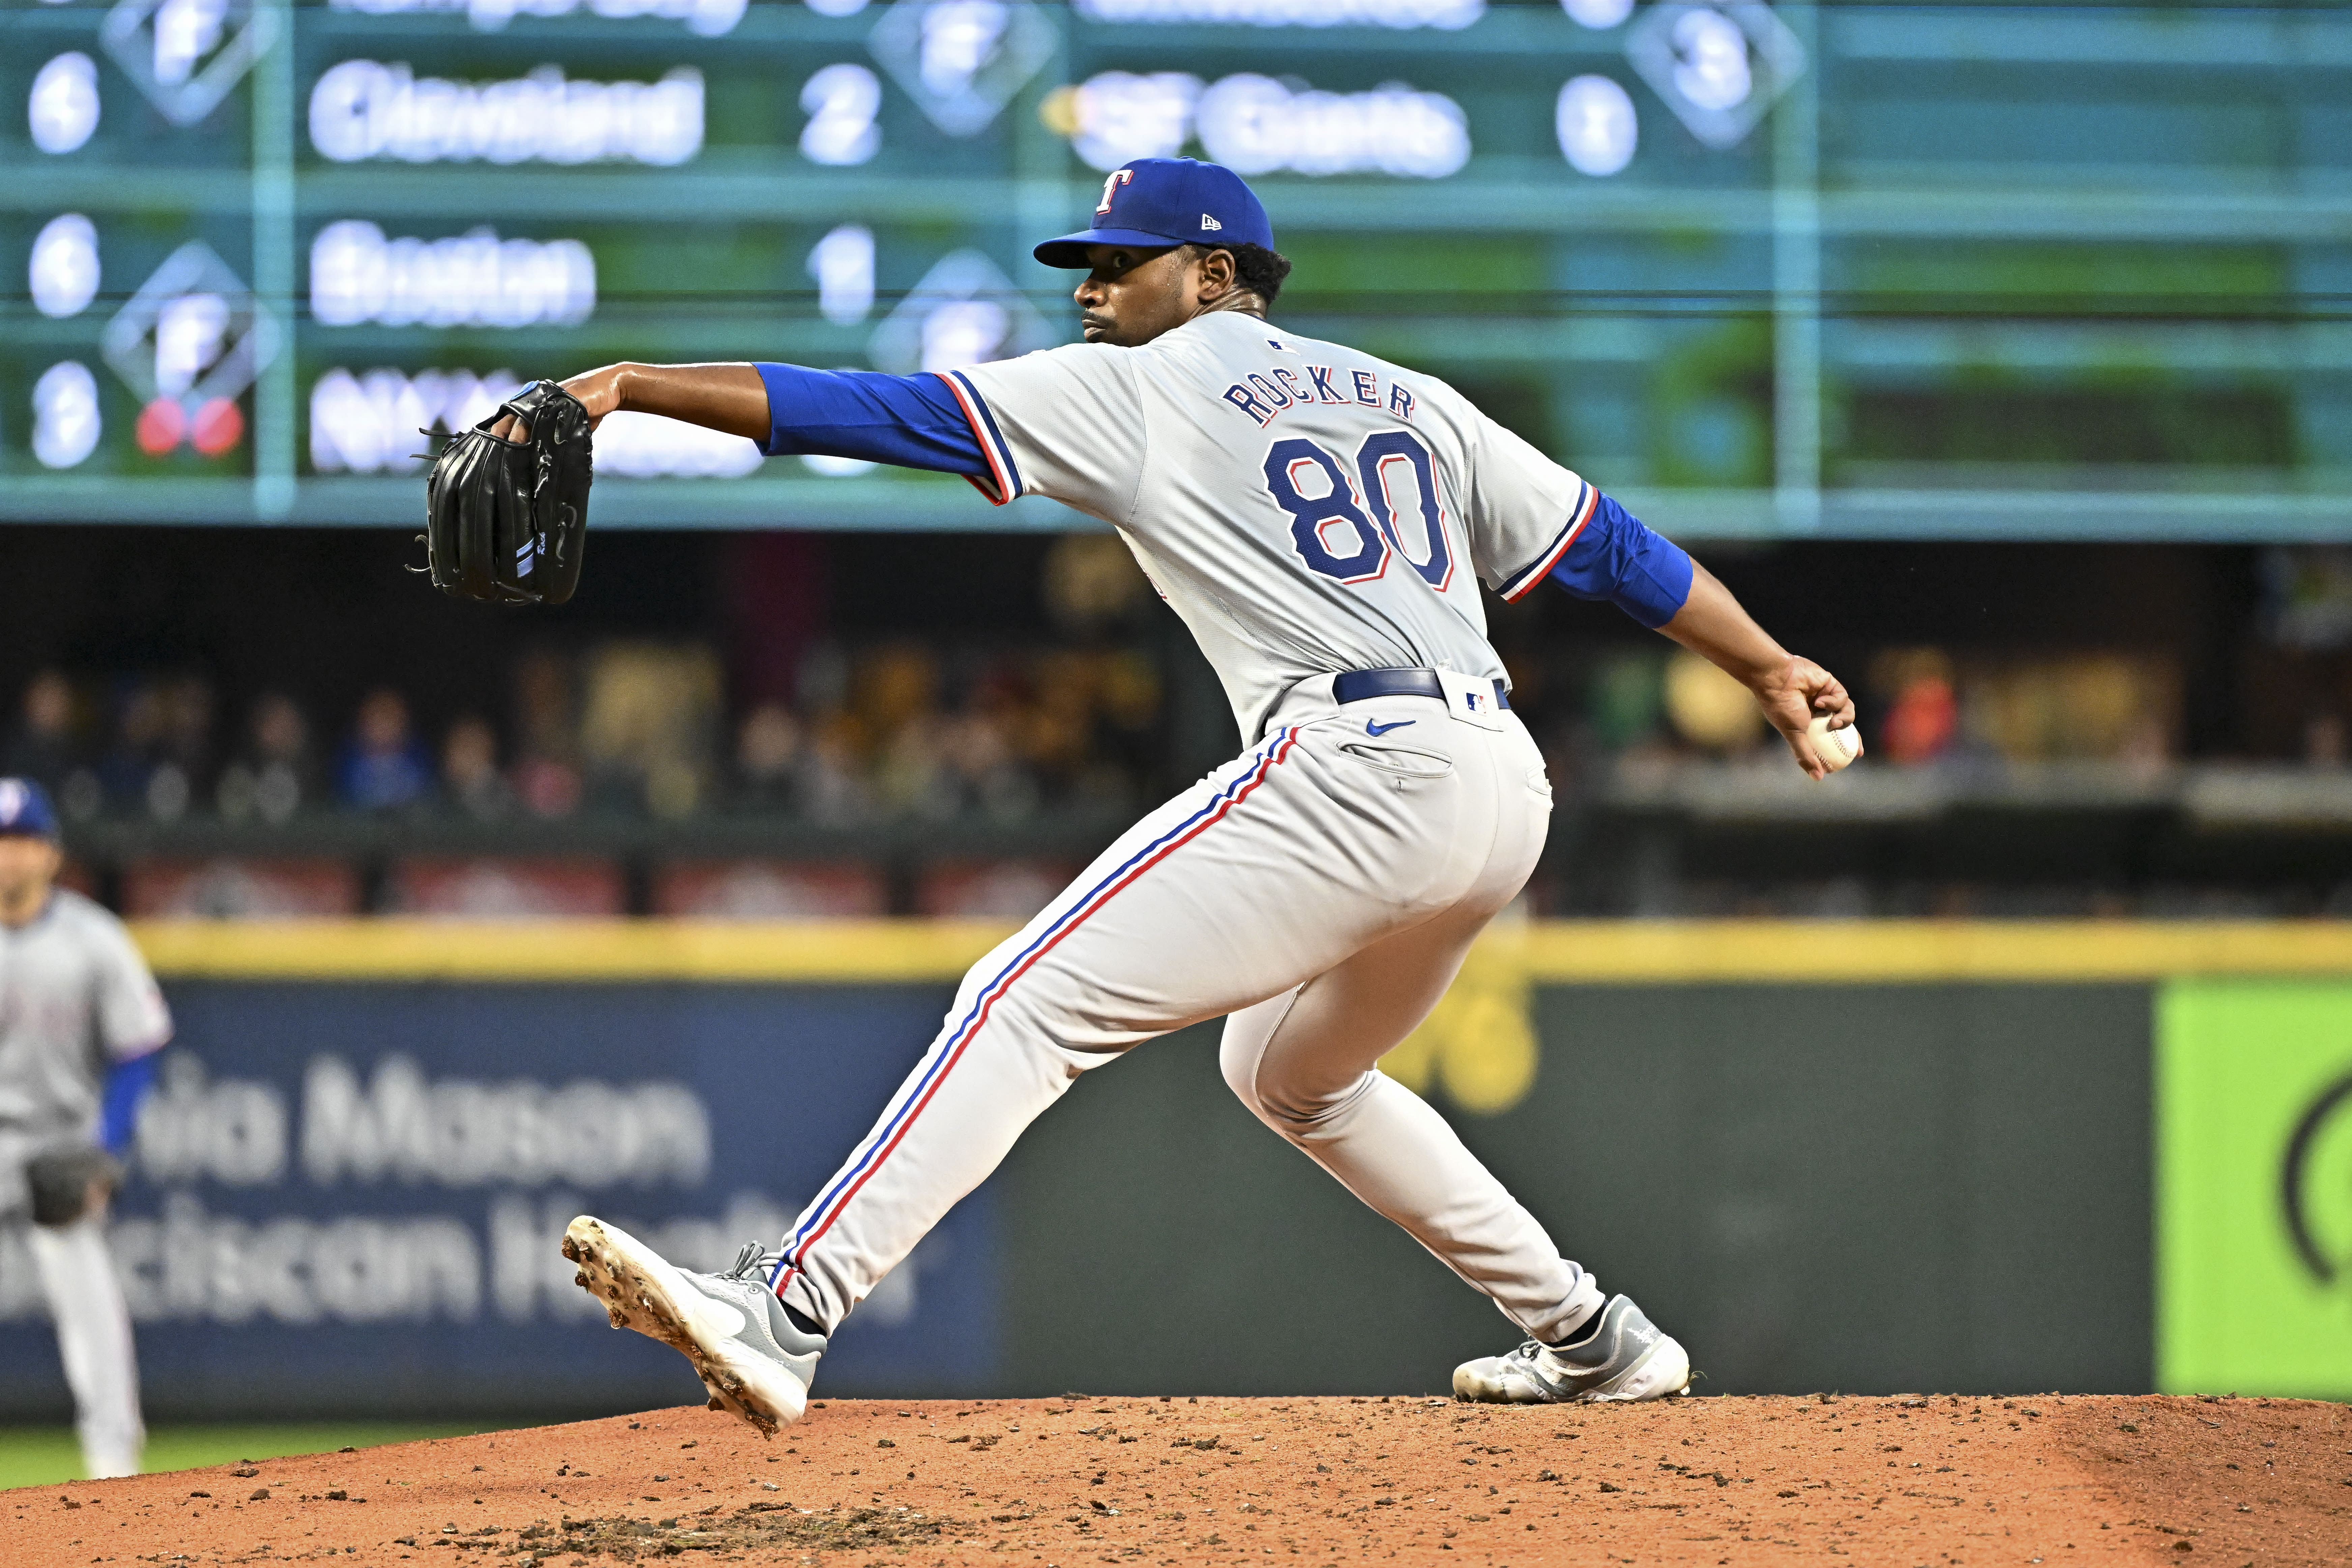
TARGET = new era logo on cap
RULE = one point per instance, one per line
(1158, 202)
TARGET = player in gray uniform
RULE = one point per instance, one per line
(1321, 520)
(80, 1020)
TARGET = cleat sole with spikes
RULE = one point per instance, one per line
(644, 1292)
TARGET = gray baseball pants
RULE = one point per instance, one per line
(1319, 893)
(93, 1323)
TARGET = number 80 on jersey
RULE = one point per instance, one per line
(1310, 483)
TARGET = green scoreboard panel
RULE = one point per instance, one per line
(1767, 269)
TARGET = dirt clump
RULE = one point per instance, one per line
(758, 1527)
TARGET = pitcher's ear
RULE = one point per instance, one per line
(1220, 273)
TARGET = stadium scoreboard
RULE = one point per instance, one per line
(254, 246)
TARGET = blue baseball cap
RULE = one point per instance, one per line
(26, 811)
(1160, 202)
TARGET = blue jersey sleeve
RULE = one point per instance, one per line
(1616, 558)
(914, 421)
(126, 1084)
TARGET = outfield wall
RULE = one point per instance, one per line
(1870, 1157)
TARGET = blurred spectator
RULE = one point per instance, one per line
(903, 729)
(383, 768)
(821, 686)
(1091, 581)
(1708, 707)
(768, 761)
(131, 755)
(1126, 734)
(2307, 596)
(894, 685)
(184, 747)
(2109, 707)
(1059, 726)
(1922, 714)
(911, 777)
(40, 747)
(470, 780)
(646, 730)
(1625, 699)
(894, 718)
(275, 775)
(546, 772)
(2323, 740)
(832, 789)
(987, 745)
(984, 775)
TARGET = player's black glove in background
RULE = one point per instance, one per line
(506, 521)
(67, 1183)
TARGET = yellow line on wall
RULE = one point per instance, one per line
(845, 951)
(1911, 951)
(1558, 952)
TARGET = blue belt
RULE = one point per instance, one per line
(1362, 685)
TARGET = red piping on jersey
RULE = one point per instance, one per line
(1536, 573)
(1003, 983)
(1004, 494)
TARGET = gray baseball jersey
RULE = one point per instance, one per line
(1305, 508)
(75, 998)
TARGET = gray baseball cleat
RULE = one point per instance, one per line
(729, 1324)
(1626, 1360)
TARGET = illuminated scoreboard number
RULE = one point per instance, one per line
(137, 346)
(61, 104)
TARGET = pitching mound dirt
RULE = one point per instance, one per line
(1932, 1480)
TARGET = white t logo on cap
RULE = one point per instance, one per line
(12, 800)
(1117, 177)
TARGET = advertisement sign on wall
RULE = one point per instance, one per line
(2255, 1187)
(350, 1195)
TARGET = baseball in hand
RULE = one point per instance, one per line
(1836, 748)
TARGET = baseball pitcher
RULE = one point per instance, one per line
(80, 1020)
(1322, 520)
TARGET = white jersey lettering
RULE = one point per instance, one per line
(1302, 506)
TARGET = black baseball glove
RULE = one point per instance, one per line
(67, 1183)
(506, 520)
